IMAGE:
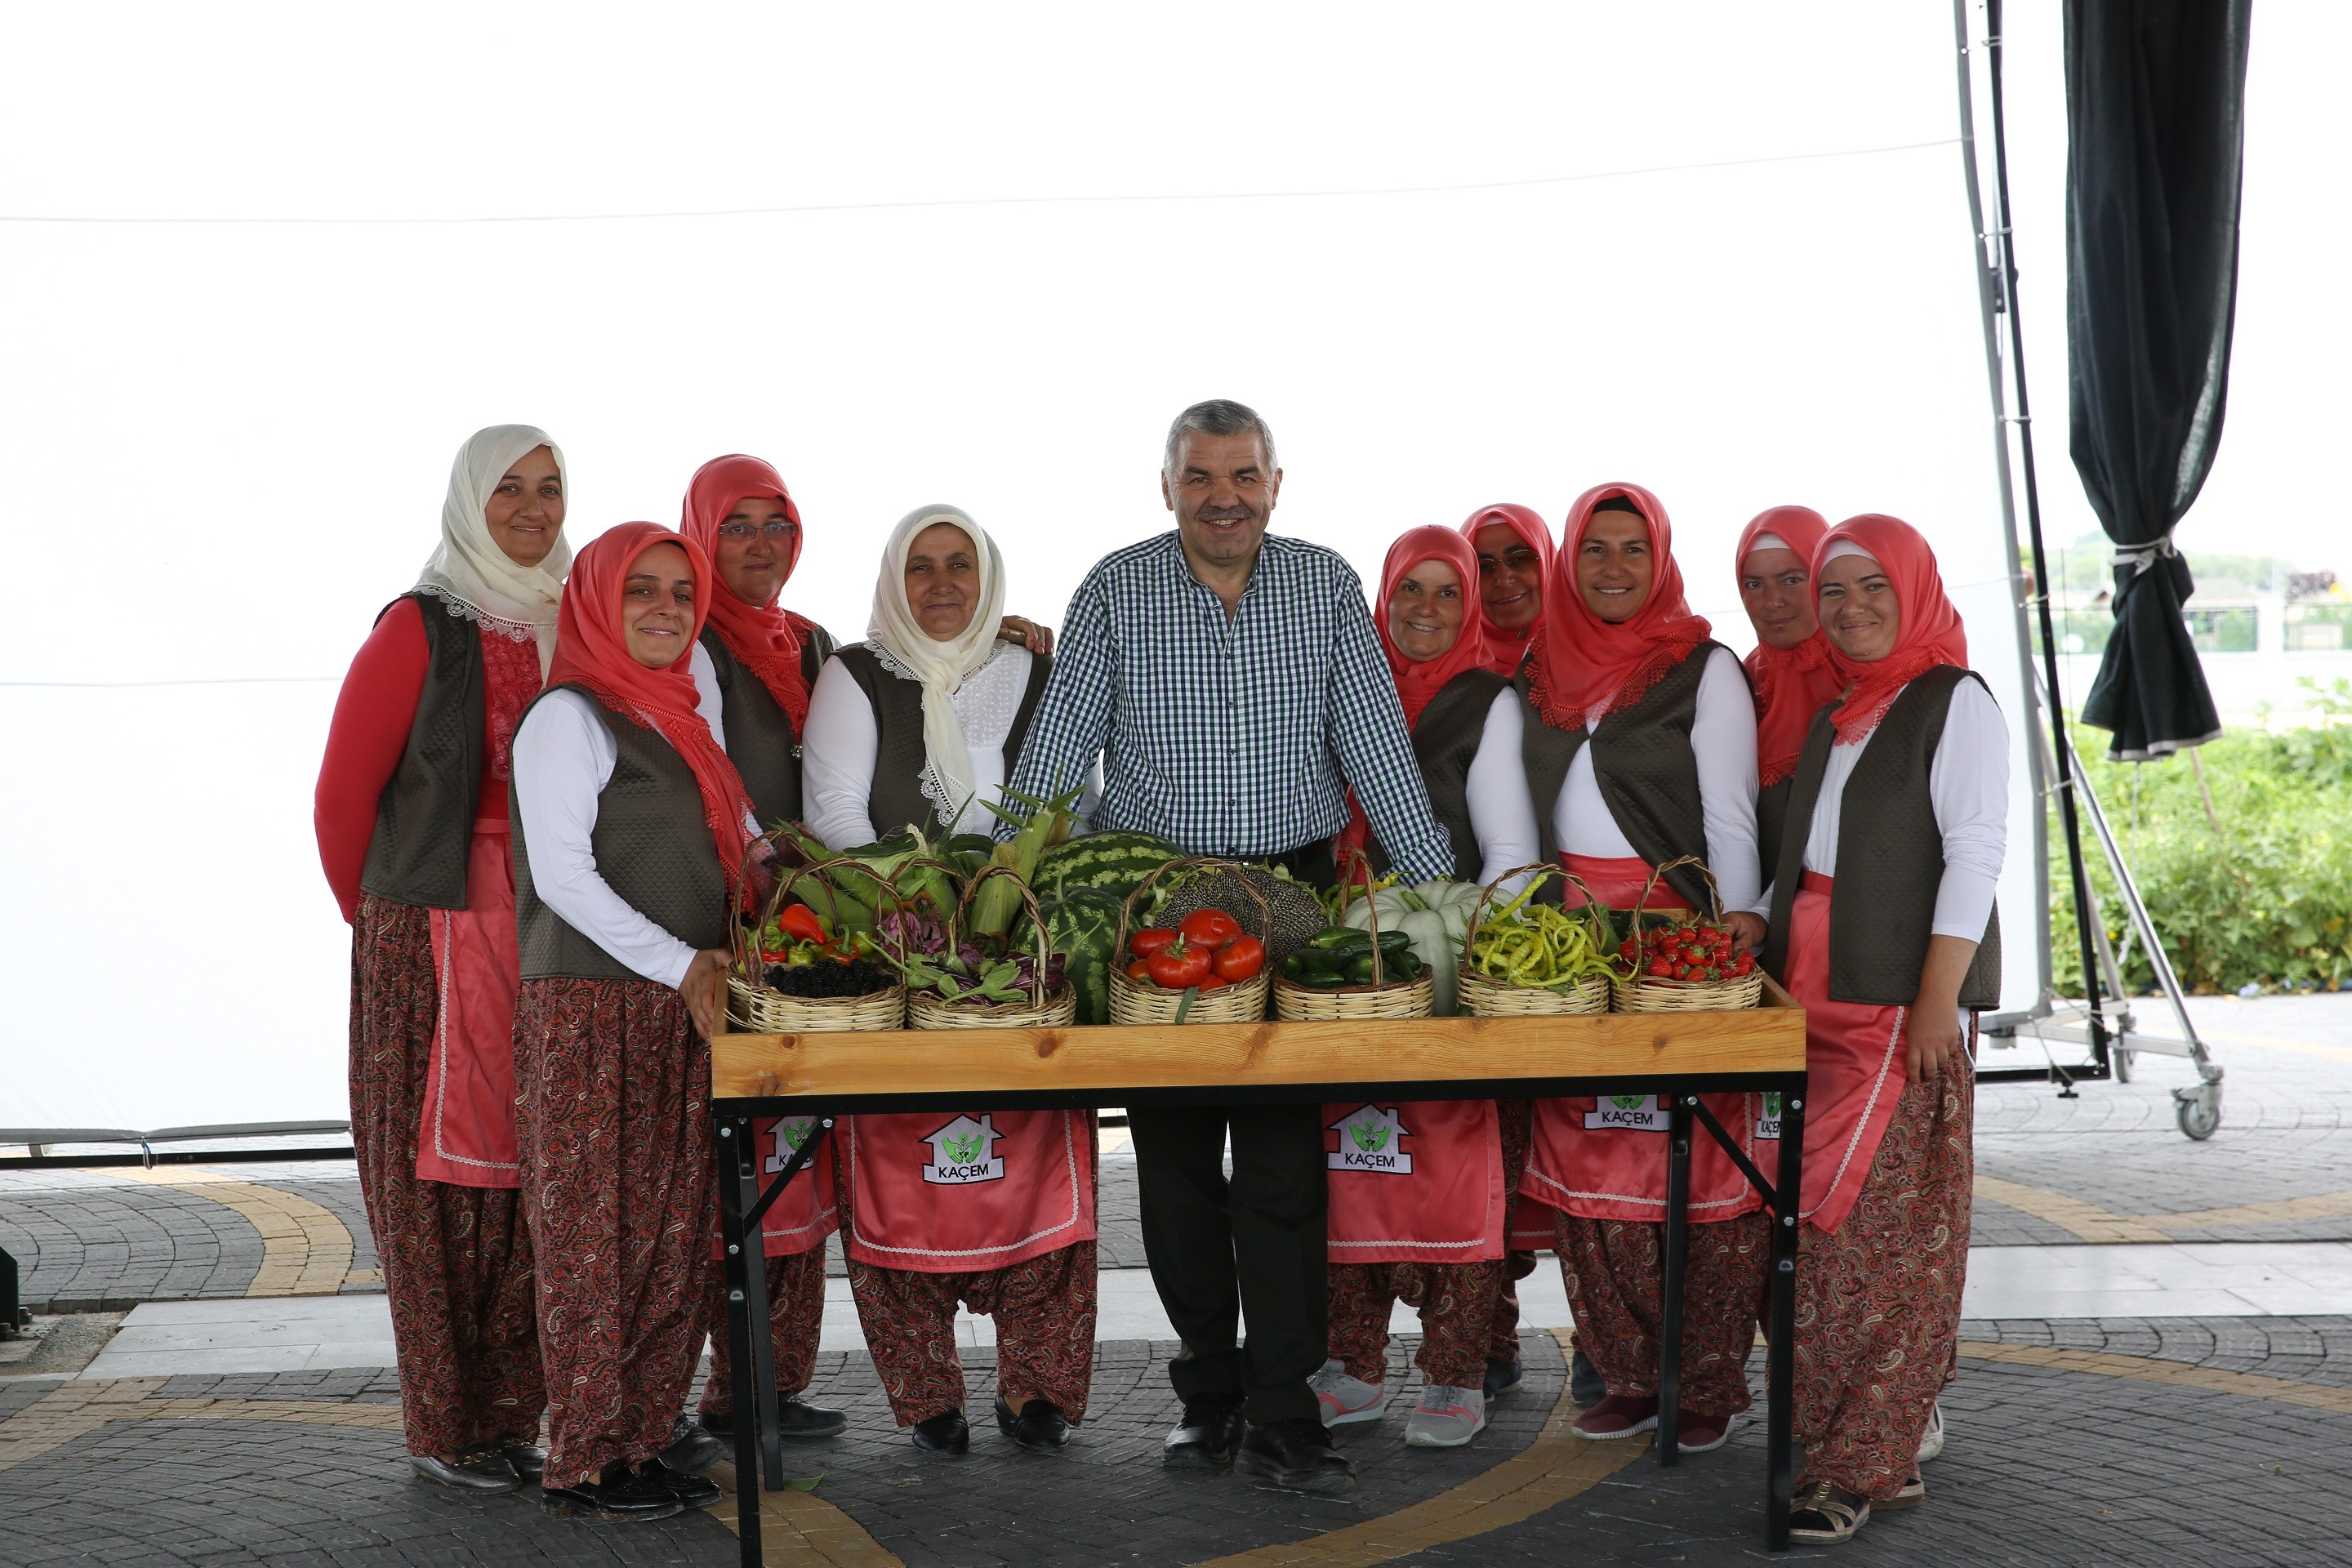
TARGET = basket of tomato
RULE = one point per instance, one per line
(1688, 964)
(1204, 969)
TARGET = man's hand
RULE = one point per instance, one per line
(1027, 633)
(704, 986)
(1746, 931)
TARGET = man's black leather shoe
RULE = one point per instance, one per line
(1207, 1436)
(618, 1495)
(946, 1433)
(485, 1474)
(691, 1490)
(1041, 1427)
(528, 1459)
(1296, 1455)
(1586, 1386)
(692, 1450)
(800, 1422)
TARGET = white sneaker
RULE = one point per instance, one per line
(1446, 1417)
(1346, 1399)
(1932, 1444)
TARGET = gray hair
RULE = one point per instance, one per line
(1219, 416)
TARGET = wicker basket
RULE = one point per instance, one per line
(1486, 998)
(1483, 996)
(1242, 1002)
(759, 1009)
(1639, 993)
(1383, 998)
(1041, 1009)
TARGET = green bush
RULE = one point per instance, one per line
(2260, 893)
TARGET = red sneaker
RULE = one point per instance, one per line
(1702, 1434)
(1618, 1416)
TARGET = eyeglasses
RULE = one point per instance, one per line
(774, 530)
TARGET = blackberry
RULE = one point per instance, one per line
(824, 978)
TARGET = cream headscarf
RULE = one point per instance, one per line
(469, 572)
(942, 666)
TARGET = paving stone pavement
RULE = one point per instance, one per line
(2121, 1455)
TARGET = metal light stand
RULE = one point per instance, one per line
(2054, 766)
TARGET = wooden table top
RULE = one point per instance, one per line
(1111, 1057)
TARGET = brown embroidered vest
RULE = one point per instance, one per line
(760, 737)
(1444, 743)
(425, 817)
(1890, 857)
(897, 800)
(1642, 762)
(652, 846)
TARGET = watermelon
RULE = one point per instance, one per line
(1082, 924)
(1117, 863)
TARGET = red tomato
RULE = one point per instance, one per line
(1209, 928)
(1144, 943)
(1179, 968)
(1214, 983)
(1140, 972)
(1241, 959)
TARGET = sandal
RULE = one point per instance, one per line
(1823, 1514)
(1913, 1492)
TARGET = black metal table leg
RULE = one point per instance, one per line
(1670, 1304)
(738, 1185)
(1780, 1353)
(767, 1417)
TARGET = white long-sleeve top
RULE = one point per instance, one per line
(563, 758)
(1968, 783)
(1502, 812)
(1723, 738)
(838, 745)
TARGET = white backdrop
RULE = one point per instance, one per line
(227, 440)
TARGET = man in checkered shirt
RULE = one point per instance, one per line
(1235, 688)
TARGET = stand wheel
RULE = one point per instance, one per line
(2198, 1112)
(2123, 1060)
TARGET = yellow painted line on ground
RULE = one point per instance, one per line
(305, 1250)
(1558, 1465)
(75, 1408)
(2320, 1205)
(801, 1529)
(2171, 1374)
(2086, 1221)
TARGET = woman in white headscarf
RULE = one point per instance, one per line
(411, 814)
(921, 723)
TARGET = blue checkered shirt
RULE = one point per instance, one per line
(1236, 737)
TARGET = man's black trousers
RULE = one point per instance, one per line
(1248, 1251)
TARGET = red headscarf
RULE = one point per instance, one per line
(1931, 632)
(1791, 684)
(1504, 647)
(591, 650)
(1418, 680)
(1585, 668)
(764, 638)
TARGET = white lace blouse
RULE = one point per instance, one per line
(838, 749)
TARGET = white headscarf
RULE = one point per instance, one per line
(942, 666)
(468, 571)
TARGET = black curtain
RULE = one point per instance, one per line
(2156, 93)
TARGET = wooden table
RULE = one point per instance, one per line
(1678, 1056)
